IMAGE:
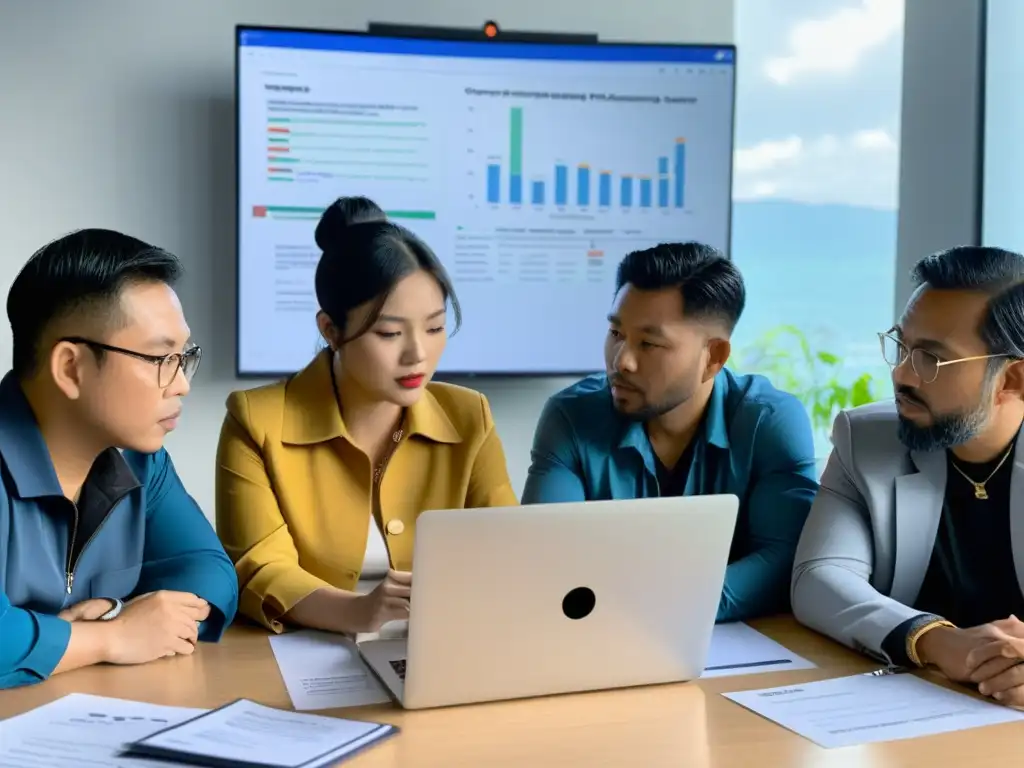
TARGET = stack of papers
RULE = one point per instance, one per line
(249, 735)
(80, 730)
(863, 709)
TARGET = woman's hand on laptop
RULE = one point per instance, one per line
(389, 601)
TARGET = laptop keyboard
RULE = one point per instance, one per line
(398, 665)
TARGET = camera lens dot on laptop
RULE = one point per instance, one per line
(578, 603)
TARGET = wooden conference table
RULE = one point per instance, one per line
(687, 725)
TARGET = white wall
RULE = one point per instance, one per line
(119, 113)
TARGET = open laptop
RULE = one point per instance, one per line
(553, 598)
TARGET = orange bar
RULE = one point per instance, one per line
(259, 211)
(605, 173)
(277, 149)
(595, 254)
(285, 130)
(279, 170)
(583, 165)
(680, 140)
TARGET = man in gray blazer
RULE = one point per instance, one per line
(914, 548)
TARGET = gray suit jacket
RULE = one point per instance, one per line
(868, 541)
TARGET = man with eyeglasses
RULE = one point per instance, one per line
(103, 555)
(914, 548)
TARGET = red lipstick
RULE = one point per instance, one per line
(411, 382)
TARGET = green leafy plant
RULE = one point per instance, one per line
(786, 356)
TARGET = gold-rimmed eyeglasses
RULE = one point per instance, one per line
(926, 364)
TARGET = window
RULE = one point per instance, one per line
(815, 194)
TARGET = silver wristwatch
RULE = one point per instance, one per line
(115, 611)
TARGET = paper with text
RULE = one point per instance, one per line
(247, 733)
(737, 649)
(324, 671)
(84, 731)
(863, 709)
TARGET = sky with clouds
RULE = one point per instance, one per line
(818, 101)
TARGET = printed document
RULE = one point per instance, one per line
(322, 670)
(863, 709)
(84, 731)
(737, 649)
(245, 733)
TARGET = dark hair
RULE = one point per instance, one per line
(83, 272)
(993, 271)
(364, 258)
(711, 285)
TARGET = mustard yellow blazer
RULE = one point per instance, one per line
(294, 492)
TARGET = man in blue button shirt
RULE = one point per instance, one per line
(669, 419)
(103, 555)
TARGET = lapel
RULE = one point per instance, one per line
(1017, 513)
(919, 499)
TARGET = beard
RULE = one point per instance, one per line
(647, 411)
(946, 430)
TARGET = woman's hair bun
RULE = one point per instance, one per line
(343, 214)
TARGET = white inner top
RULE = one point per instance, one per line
(375, 561)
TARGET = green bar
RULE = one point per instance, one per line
(278, 141)
(515, 160)
(282, 160)
(294, 210)
(279, 178)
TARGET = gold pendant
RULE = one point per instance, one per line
(980, 492)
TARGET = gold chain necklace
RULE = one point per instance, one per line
(396, 438)
(979, 488)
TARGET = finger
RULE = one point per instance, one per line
(992, 667)
(183, 648)
(992, 650)
(396, 606)
(400, 577)
(397, 590)
(1004, 681)
(195, 614)
(188, 599)
(1014, 697)
(188, 630)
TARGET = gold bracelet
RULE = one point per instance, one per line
(920, 632)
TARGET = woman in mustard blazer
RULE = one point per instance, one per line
(321, 478)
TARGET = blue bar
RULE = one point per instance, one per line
(493, 183)
(662, 165)
(515, 189)
(663, 192)
(583, 185)
(680, 173)
(538, 193)
(604, 189)
(626, 192)
(561, 185)
(645, 193)
(484, 49)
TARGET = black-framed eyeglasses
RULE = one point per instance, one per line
(167, 366)
(926, 364)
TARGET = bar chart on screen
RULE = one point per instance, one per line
(543, 167)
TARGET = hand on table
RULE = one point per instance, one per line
(156, 624)
(998, 665)
(389, 601)
(950, 649)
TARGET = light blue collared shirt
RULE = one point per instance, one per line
(756, 443)
(147, 534)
